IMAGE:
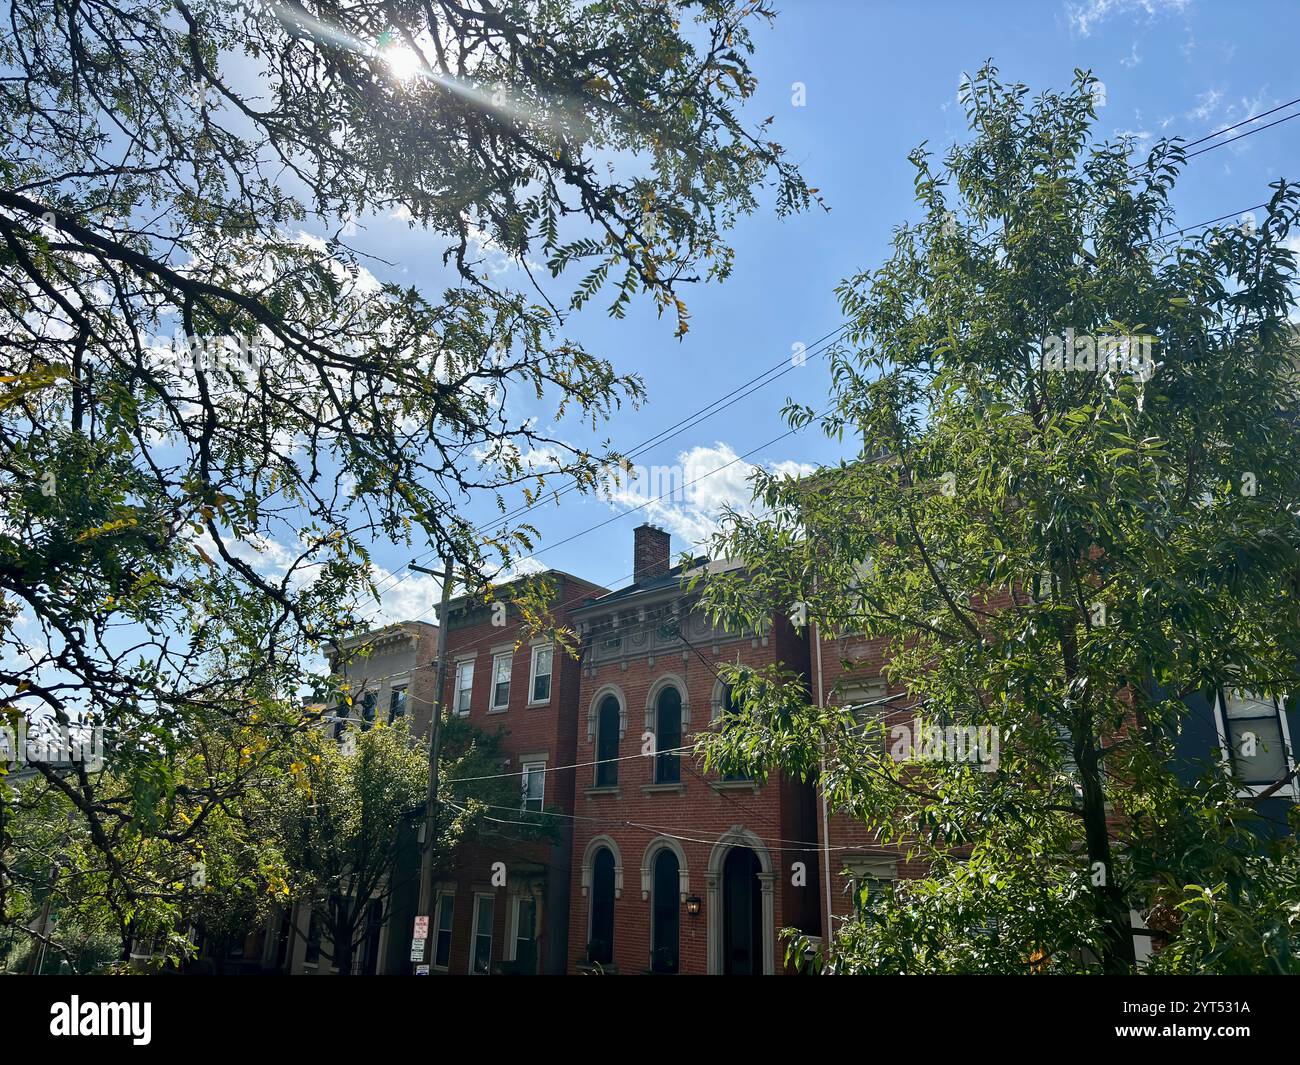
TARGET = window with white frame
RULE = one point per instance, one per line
(501, 680)
(539, 685)
(534, 786)
(464, 686)
(480, 955)
(1253, 732)
(524, 939)
(445, 915)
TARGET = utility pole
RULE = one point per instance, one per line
(425, 908)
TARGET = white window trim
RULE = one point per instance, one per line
(479, 896)
(524, 775)
(492, 698)
(451, 932)
(1287, 791)
(532, 675)
(456, 689)
(512, 930)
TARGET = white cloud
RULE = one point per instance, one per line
(1085, 17)
(694, 496)
(1206, 103)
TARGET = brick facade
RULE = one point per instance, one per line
(532, 731)
(639, 644)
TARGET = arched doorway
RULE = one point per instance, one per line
(742, 914)
(665, 913)
(740, 888)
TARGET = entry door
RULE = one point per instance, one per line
(742, 915)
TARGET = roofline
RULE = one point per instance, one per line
(458, 602)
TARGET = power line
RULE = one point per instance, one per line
(703, 414)
(784, 367)
(672, 833)
(1243, 122)
(665, 495)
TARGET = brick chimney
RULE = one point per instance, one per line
(650, 553)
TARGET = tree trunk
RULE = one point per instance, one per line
(1108, 900)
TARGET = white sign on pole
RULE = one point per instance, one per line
(421, 928)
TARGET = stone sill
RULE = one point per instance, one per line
(734, 785)
(653, 789)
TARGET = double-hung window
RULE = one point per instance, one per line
(464, 686)
(539, 683)
(480, 957)
(396, 704)
(534, 786)
(501, 680)
(524, 944)
(442, 931)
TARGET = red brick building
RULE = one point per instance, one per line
(675, 869)
(505, 907)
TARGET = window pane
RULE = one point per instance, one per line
(397, 704)
(731, 706)
(668, 736)
(534, 785)
(442, 945)
(607, 743)
(1258, 753)
(1257, 746)
(501, 681)
(464, 686)
(483, 934)
(542, 675)
(600, 947)
(1242, 704)
(526, 936)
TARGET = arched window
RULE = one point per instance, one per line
(668, 736)
(600, 942)
(607, 730)
(665, 912)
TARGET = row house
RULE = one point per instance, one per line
(678, 870)
(504, 906)
(655, 864)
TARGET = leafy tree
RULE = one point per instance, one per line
(346, 816)
(1064, 556)
(183, 524)
(173, 866)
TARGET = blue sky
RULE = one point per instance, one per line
(880, 78)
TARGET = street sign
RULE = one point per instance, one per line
(417, 950)
(421, 970)
(421, 928)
